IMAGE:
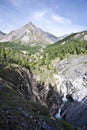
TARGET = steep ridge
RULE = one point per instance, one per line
(30, 35)
(2, 35)
(73, 44)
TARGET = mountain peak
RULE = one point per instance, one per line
(30, 34)
(30, 24)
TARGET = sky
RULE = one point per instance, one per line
(58, 17)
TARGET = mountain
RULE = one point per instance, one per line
(75, 43)
(30, 35)
(2, 35)
(72, 38)
(52, 83)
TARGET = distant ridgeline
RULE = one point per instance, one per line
(67, 46)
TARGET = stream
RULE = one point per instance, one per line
(65, 101)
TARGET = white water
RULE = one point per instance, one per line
(58, 115)
(64, 101)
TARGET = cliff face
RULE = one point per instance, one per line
(24, 103)
(72, 78)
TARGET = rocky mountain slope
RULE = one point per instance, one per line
(81, 36)
(30, 35)
(2, 35)
(71, 45)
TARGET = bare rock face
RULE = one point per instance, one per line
(76, 114)
(72, 77)
(81, 36)
(30, 35)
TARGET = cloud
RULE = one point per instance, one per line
(39, 14)
(49, 17)
(17, 3)
(60, 19)
(54, 23)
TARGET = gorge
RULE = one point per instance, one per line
(66, 100)
(43, 90)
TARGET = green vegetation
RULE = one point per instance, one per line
(17, 47)
(41, 63)
(65, 47)
(9, 56)
(17, 110)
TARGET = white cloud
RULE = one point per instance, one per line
(17, 3)
(54, 23)
(49, 17)
(46, 20)
(39, 14)
(60, 19)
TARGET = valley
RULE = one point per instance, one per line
(38, 76)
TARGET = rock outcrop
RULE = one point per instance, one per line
(76, 114)
(72, 78)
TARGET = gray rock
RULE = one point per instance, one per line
(76, 114)
(73, 81)
(73, 77)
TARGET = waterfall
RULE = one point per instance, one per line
(58, 115)
(64, 101)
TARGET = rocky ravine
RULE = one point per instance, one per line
(25, 104)
(72, 79)
(23, 101)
